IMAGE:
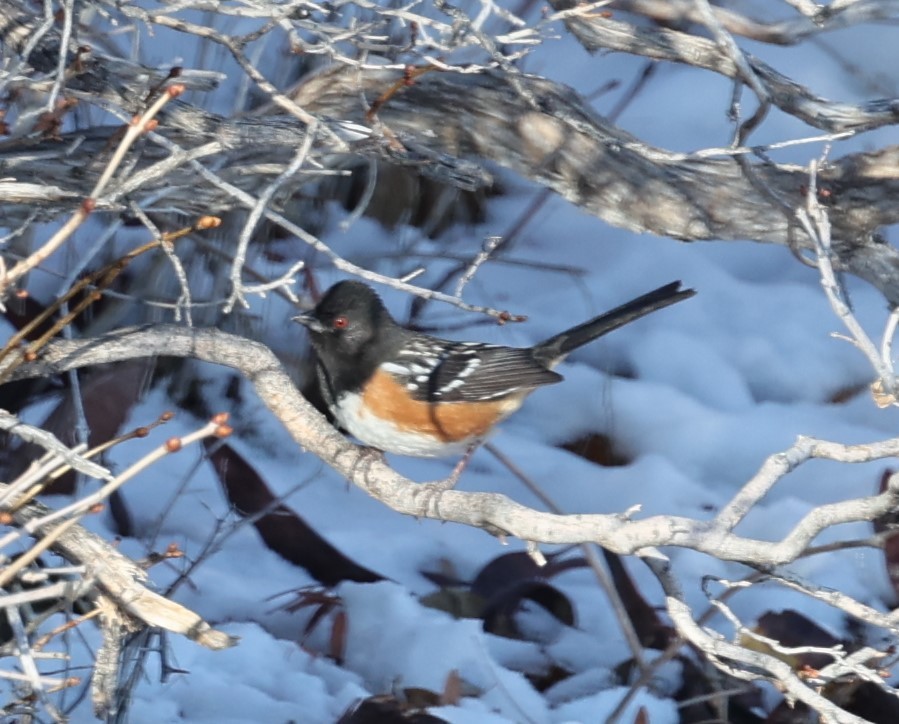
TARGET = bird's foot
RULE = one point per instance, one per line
(449, 483)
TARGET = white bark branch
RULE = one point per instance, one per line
(492, 512)
(124, 582)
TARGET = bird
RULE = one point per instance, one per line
(401, 391)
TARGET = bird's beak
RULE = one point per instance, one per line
(309, 321)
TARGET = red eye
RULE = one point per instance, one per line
(341, 322)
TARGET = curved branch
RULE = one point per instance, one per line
(543, 131)
(561, 143)
(492, 512)
(817, 19)
(661, 43)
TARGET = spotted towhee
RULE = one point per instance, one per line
(409, 393)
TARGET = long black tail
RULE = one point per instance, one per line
(554, 349)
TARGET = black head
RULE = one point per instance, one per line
(348, 322)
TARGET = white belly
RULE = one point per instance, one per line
(383, 435)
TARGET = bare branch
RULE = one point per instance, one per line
(739, 661)
(51, 443)
(492, 512)
(122, 580)
(677, 46)
(576, 153)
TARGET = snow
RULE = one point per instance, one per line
(714, 385)
(263, 676)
